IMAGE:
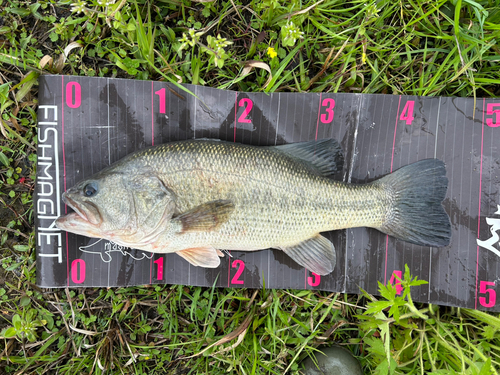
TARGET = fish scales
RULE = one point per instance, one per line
(277, 200)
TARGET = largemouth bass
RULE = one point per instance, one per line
(198, 197)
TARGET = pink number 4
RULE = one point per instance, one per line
(396, 279)
(407, 113)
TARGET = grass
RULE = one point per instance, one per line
(412, 47)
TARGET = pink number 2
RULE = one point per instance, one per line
(240, 265)
(248, 104)
(161, 94)
(490, 111)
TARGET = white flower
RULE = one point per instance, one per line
(78, 7)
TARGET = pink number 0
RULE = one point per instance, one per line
(73, 102)
(241, 267)
(78, 265)
(492, 294)
(248, 104)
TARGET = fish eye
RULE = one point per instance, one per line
(90, 189)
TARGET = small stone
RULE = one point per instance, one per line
(333, 360)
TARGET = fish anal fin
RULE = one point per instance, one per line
(201, 256)
(317, 254)
(206, 217)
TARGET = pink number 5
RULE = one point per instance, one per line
(490, 111)
(492, 294)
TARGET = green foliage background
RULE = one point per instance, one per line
(438, 47)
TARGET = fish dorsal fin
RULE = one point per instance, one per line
(201, 256)
(206, 217)
(324, 157)
(317, 254)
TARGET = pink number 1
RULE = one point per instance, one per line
(159, 270)
(161, 94)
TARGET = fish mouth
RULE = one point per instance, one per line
(85, 217)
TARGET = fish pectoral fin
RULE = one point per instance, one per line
(201, 256)
(317, 254)
(206, 217)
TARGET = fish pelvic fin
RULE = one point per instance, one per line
(323, 157)
(417, 215)
(206, 217)
(201, 256)
(317, 254)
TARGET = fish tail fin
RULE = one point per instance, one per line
(417, 215)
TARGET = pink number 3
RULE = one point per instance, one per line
(327, 117)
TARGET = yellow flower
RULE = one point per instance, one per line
(363, 58)
(271, 52)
